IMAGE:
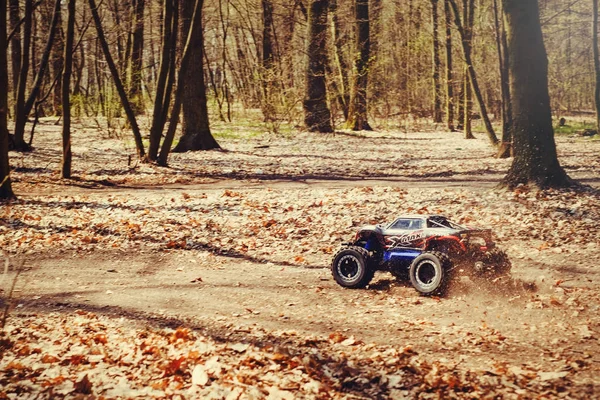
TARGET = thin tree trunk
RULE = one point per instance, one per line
(6, 191)
(376, 89)
(317, 116)
(342, 64)
(15, 46)
(596, 62)
(121, 62)
(268, 64)
(118, 84)
(535, 161)
(191, 87)
(289, 27)
(136, 60)
(66, 83)
(472, 76)
(163, 89)
(33, 48)
(460, 118)
(449, 72)
(437, 64)
(20, 116)
(505, 149)
(468, 10)
(57, 64)
(357, 112)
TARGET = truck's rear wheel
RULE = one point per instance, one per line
(429, 273)
(350, 267)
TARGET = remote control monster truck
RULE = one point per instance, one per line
(428, 250)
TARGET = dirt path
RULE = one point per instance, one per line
(474, 326)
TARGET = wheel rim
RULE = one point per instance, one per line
(426, 274)
(348, 268)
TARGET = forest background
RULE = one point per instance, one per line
(405, 59)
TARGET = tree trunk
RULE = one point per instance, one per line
(118, 84)
(27, 106)
(196, 127)
(596, 62)
(136, 60)
(66, 83)
(449, 78)
(15, 46)
(357, 112)
(192, 48)
(343, 66)
(268, 78)
(535, 161)
(376, 88)
(472, 76)
(57, 64)
(6, 191)
(317, 116)
(505, 149)
(460, 118)
(468, 11)
(20, 116)
(121, 62)
(163, 87)
(437, 64)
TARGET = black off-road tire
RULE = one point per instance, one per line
(430, 273)
(351, 267)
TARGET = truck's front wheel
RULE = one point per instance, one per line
(350, 267)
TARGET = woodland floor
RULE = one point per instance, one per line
(210, 279)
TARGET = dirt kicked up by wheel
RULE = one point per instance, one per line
(428, 250)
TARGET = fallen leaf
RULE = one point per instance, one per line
(199, 376)
(83, 386)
